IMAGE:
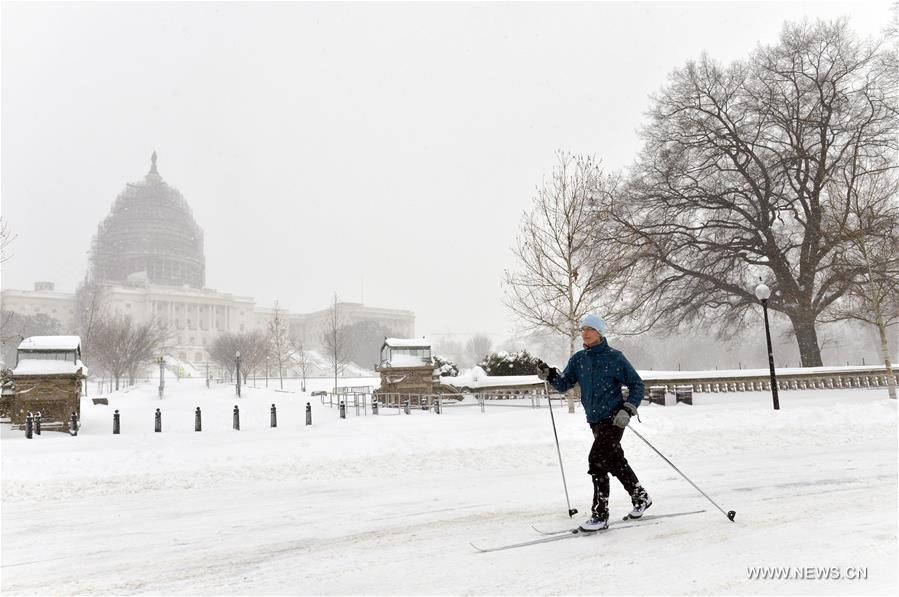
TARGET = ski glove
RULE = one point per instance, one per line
(623, 416)
(545, 372)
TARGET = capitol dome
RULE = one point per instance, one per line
(150, 232)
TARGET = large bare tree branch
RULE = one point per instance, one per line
(749, 171)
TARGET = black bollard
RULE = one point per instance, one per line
(29, 425)
(274, 416)
(406, 408)
(437, 405)
(73, 424)
(236, 418)
(37, 423)
(342, 409)
(374, 407)
(198, 420)
(158, 426)
(308, 414)
(116, 423)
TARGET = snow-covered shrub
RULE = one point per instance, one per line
(446, 366)
(510, 363)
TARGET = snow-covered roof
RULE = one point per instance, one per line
(407, 342)
(48, 367)
(51, 343)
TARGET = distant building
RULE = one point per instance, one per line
(148, 256)
(43, 299)
(150, 233)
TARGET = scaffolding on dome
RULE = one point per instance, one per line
(150, 231)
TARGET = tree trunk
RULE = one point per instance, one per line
(807, 339)
(574, 393)
(885, 351)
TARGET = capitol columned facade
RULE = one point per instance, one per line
(148, 258)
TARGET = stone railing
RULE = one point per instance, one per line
(748, 380)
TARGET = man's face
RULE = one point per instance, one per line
(590, 336)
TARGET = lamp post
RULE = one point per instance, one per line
(762, 292)
(161, 362)
(237, 366)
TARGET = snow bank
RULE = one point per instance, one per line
(476, 378)
(388, 504)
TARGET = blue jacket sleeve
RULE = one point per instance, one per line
(567, 379)
(632, 380)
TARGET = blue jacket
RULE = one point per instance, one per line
(601, 371)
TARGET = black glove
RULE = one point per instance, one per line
(623, 416)
(545, 372)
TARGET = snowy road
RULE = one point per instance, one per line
(387, 505)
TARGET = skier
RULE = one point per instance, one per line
(601, 371)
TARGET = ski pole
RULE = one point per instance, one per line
(730, 515)
(571, 511)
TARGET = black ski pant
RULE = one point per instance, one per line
(606, 456)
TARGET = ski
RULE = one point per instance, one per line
(568, 534)
(626, 518)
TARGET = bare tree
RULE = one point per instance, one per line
(743, 172)
(871, 230)
(335, 340)
(279, 341)
(90, 309)
(253, 347)
(222, 351)
(478, 347)
(145, 343)
(301, 358)
(15, 327)
(121, 346)
(452, 350)
(564, 251)
(6, 238)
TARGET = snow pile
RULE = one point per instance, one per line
(318, 365)
(389, 504)
(476, 378)
(182, 368)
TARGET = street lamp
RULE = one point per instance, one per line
(237, 359)
(161, 362)
(762, 292)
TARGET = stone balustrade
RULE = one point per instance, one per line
(755, 380)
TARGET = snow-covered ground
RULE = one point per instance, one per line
(389, 504)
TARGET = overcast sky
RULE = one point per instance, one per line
(385, 152)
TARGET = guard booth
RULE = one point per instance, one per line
(406, 369)
(48, 379)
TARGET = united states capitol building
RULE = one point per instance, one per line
(148, 258)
